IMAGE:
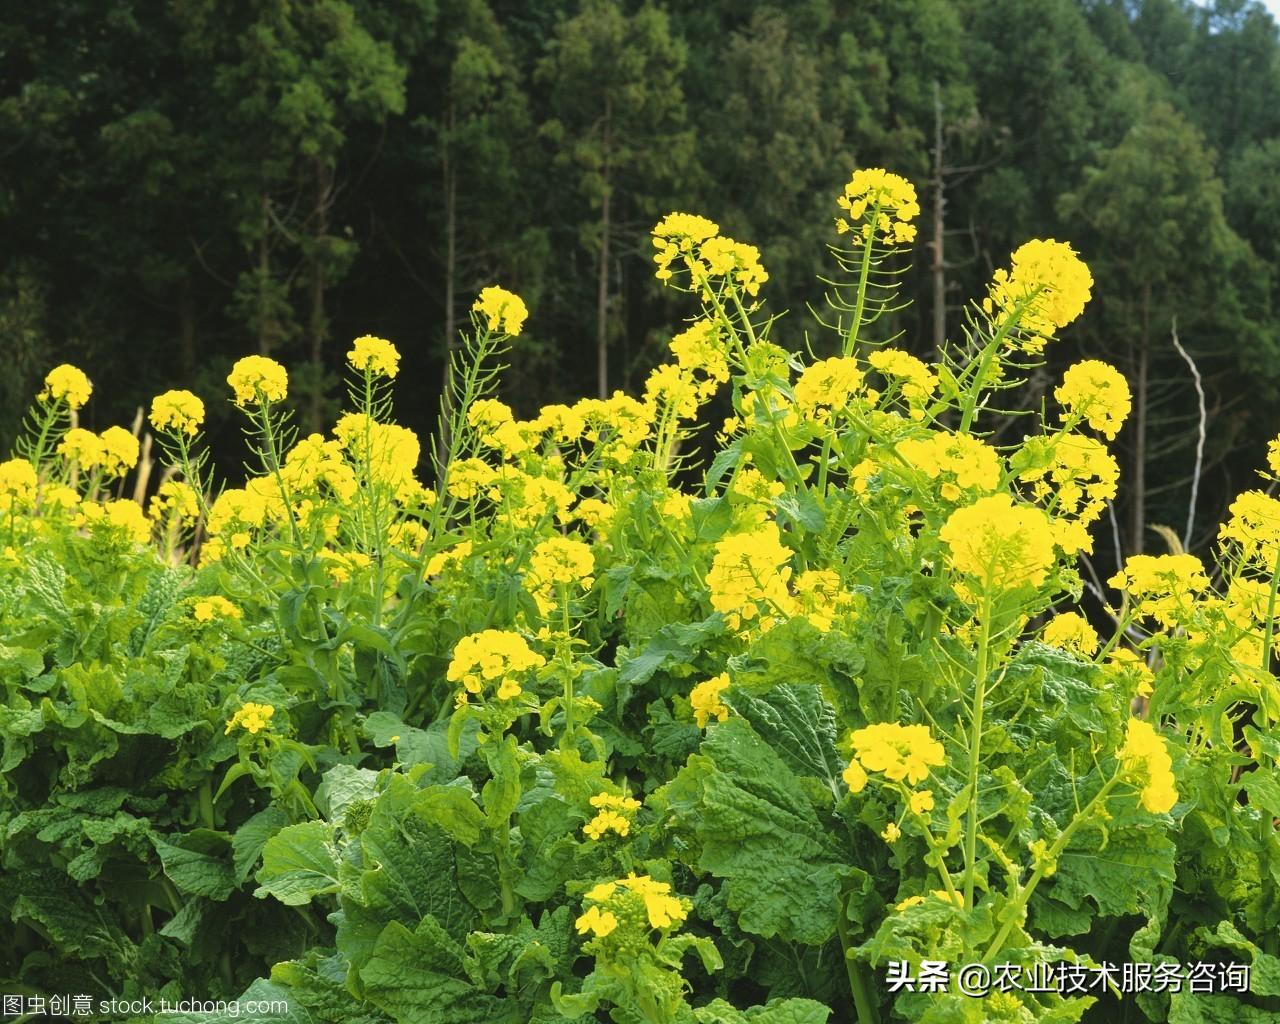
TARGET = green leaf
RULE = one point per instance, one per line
(420, 977)
(250, 838)
(197, 863)
(299, 863)
(1188, 1008)
(756, 829)
(342, 784)
(800, 726)
(1129, 874)
(776, 1011)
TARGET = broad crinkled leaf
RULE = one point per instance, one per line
(756, 829)
(198, 863)
(299, 863)
(420, 977)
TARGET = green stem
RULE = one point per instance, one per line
(864, 274)
(988, 353)
(868, 1011)
(206, 804)
(567, 668)
(975, 751)
(1013, 913)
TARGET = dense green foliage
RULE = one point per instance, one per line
(287, 176)
(561, 740)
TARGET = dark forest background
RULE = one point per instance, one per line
(183, 183)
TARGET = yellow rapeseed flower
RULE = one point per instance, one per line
(83, 447)
(1145, 755)
(705, 700)
(1071, 631)
(255, 379)
(1163, 586)
(17, 484)
(750, 570)
(493, 657)
(891, 198)
(504, 311)
(253, 718)
(599, 923)
(206, 609)
(67, 384)
(120, 450)
(1046, 287)
(178, 412)
(176, 498)
(999, 545)
(374, 355)
(898, 751)
(1097, 393)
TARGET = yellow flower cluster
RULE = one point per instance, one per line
(705, 700)
(206, 609)
(821, 598)
(899, 751)
(912, 377)
(961, 462)
(679, 233)
(723, 257)
(999, 545)
(1097, 393)
(1144, 754)
(178, 412)
(374, 355)
(252, 718)
(1163, 586)
(561, 423)
(557, 562)
(749, 570)
(391, 452)
(503, 311)
(256, 379)
(613, 814)
(83, 447)
(1254, 526)
(1074, 477)
(178, 499)
(1127, 668)
(314, 461)
(828, 384)
(701, 346)
(120, 451)
(1071, 631)
(676, 388)
(1046, 287)
(17, 484)
(1273, 455)
(493, 657)
(67, 384)
(888, 197)
(123, 515)
(498, 428)
(637, 898)
(706, 253)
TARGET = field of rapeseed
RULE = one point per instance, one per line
(633, 716)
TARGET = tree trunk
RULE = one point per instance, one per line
(602, 294)
(450, 176)
(939, 216)
(1138, 519)
(317, 324)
